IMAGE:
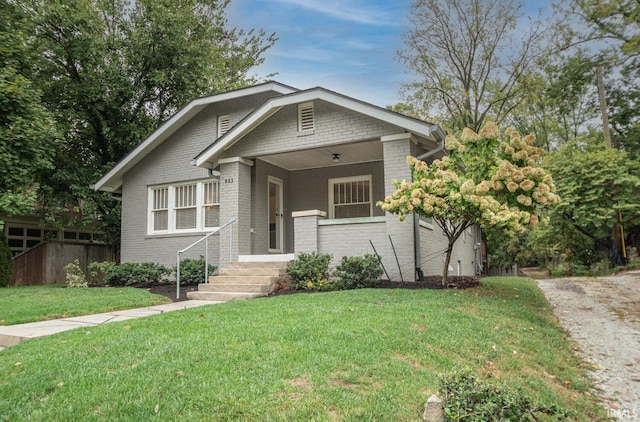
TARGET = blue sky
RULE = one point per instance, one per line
(348, 46)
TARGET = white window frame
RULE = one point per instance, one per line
(171, 207)
(224, 124)
(304, 126)
(362, 178)
(205, 204)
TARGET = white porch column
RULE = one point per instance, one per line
(235, 202)
(396, 148)
(305, 228)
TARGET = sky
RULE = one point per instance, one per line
(348, 46)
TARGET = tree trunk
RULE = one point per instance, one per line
(445, 269)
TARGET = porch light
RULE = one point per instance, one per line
(336, 158)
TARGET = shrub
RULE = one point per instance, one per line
(98, 271)
(75, 275)
(310, 272)
(355, 272)
(470, 399)
(5, 261)
(192, 271)
(128, 273)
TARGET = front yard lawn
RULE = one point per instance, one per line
(37, 303)
(372, 354)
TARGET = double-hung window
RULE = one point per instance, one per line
(160, 209)
(185, 207)
(211, 204)
(186, 210)
(350, 197)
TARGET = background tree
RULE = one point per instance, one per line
(599, 183)
(112, 71)
(488, 179)
(470, 58)
(26, 128)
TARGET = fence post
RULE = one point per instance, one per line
(206, 261)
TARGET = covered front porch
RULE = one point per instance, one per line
(320, 200)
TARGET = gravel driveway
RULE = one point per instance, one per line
(603, 316)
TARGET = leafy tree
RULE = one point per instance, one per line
(599, 183)
(489, 178)
(5, 261)
(26, 128)
(562, 101)
(112, 71)
(470, 58)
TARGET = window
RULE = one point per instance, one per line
(224, 124)
(211, 204)
(186, 211)
(185, 207)
(350, 197)
(306, 121)
(160, 209)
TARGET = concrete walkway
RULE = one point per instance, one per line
(14, 334)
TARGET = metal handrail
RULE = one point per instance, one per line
(206, 253)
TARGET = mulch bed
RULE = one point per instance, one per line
(431, 282)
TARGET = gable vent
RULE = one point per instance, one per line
(305, 118)
(224, 124)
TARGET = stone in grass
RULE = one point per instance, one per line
(433, 410)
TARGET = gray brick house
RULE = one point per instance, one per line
(298, 170)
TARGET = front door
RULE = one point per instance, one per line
(276, 216)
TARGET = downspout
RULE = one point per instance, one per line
(417, 255)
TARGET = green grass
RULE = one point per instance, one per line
(37, 303)
(354, 355)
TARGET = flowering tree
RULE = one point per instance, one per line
(488, 178)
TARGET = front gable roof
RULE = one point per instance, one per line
(273, 105)
(112, 181)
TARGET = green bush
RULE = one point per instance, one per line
(468, 398)
(310, 272)
(356, 272)
(192, 271)
(98, 271)
(130, 273)
(5, 261)
(75, 275)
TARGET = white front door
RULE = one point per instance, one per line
(276, 214)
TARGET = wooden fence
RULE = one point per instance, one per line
(44, 264)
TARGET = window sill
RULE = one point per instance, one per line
(198, 233)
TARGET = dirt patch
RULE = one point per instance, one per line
(169, 290)
(603, 316)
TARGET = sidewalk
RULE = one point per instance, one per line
(14, 334)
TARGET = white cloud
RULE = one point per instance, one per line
(345, 10)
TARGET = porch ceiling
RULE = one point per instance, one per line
(360, 152)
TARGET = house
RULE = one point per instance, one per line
(295, 170)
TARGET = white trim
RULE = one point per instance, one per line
(171, 208)
(357, 220)
(273, 105)
(280, 222)
(112, 180)
(236, 160)
(426, 225)
(309, 213)
(361, 178)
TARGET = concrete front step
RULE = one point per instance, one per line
(222, 296)
(243, 279)
(240, 288)
(257, 264)
(271, 272)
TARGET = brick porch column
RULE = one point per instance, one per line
(305, 229)
(396, 148)
(235, 202)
